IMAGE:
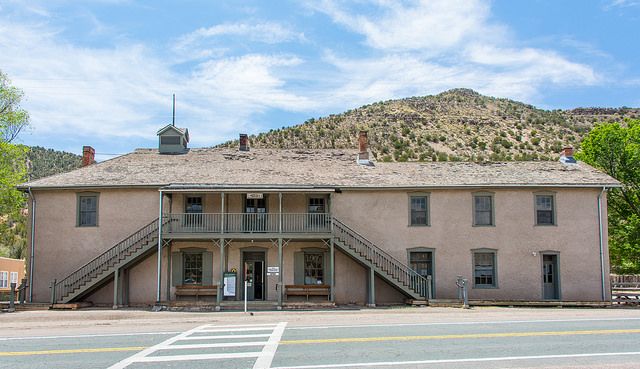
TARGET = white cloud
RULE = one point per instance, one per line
(427, 46)
(125, 92)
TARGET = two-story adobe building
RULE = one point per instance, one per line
(173, 223)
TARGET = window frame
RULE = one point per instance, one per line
(554, 216)
(321, 269)
(493, 252)
(491, 196)
(433, 264)
(186, 254)
(427, 197)
(4, 279)
(11, 279)
(79, 197)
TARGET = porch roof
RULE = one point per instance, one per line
(312, 169)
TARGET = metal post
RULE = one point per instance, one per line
(115, 288)
(245, 295)
(459, 284)
(280, 277)
(12, 297)
(429, 288)
(465, 296)
(159, 249)
(33, 244)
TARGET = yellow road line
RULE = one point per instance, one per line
(72, 351)
(460, 336)
(350, 339)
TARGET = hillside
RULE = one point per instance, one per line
(458, 124)
(46, 162)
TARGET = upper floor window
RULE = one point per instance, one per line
(483, 214)
(87, 210)
(484, 269)
(316, 205)
(545, 210)
(193, 205)
(14, 277)
(419, 210)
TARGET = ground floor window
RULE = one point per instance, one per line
(14, 277)
(313, 268)
(4, 279)
(192, 268)
(484, 269)
(421, 262)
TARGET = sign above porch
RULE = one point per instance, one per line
(255, 195)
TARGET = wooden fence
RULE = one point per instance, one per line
(625, 289)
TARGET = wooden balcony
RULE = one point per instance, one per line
(246, 225)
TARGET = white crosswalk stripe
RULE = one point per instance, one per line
(199, 339)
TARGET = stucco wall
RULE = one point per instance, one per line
(61, 247)
(383, 217)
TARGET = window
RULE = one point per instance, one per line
(170, 140)
(87, 210)
(316, 205)
(419, 210)
(484, 269)
(192, 268)
(4, 276)
(483, 210)
(14, 277)
(545, 214)
(313, 268)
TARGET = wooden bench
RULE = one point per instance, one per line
(197, 291)
(308, 290)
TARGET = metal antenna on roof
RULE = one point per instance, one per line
(173, 121)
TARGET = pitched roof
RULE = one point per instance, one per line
(225, 167)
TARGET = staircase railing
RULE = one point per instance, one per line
(102, 263)
(381, 259)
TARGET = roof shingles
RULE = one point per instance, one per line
(319, 168)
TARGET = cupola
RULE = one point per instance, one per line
(173, 140)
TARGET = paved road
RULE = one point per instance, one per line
(404, 338)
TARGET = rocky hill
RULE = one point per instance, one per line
(45, 162)
(458, 124)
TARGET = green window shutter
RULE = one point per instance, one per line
(327, 268)
(176, 268)
(207, 268)
(298, 268)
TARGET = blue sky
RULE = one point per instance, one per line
(102, 72)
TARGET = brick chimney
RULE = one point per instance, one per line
(244, 142)
(567, 152)
(88, 155)
(363, 146)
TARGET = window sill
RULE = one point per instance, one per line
(482, 287)
(483, 225)
(545, 225)
(419, 225)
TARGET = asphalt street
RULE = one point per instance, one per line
(409, 338)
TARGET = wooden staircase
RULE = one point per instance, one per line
(399, 275)
(99, 270)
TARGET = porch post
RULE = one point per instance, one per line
(222, 269)
(280, 278)
(115, 287)
(169, 272)
(332, 259)
(221, 212)
(371, 295)
(280, 215)
(159, 249)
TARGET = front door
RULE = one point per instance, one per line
(255, 219)
(422, 263)
(254, 275)
(550, 277)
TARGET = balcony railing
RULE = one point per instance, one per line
(248, 223)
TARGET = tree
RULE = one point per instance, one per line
(13, 119)
(615, 149)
